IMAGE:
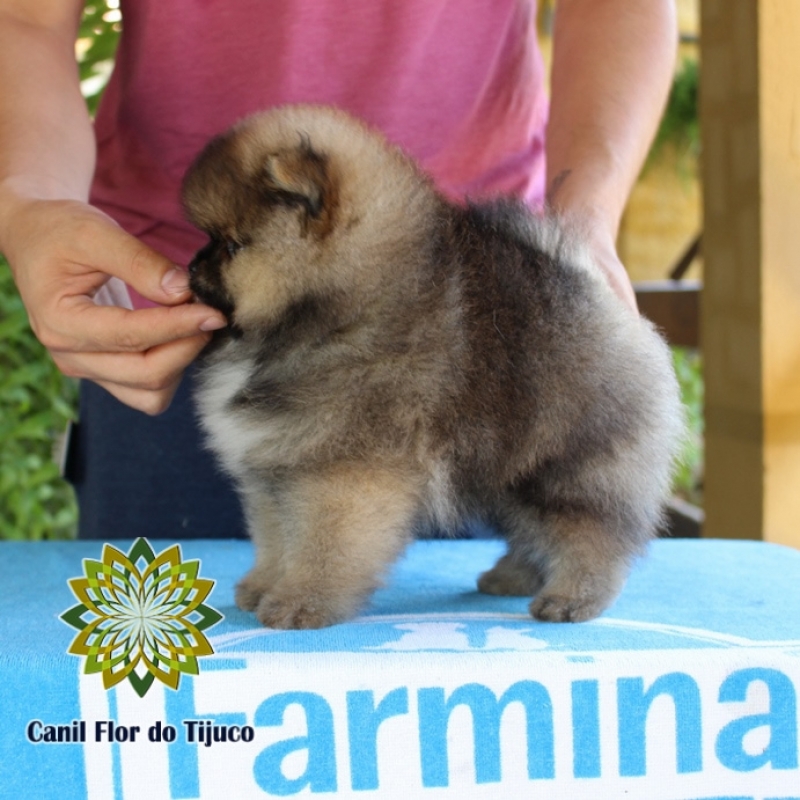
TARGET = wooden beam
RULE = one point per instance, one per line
(674, 306)
(750, 329)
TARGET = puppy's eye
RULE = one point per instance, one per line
(232, 247)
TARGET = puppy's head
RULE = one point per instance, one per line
(297, 203)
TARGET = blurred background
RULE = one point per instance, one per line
(659, 236)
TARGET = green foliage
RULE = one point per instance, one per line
(36, 402)
(689, 369)
(679, 130)
(97, 44)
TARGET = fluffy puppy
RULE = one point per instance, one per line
(396, 361)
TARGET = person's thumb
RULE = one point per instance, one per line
(147, 271)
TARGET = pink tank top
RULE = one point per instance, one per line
(458, 84)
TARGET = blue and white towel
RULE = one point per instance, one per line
(686, 688)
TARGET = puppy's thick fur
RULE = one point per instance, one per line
(395, 361)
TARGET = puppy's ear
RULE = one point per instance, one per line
(300, 176)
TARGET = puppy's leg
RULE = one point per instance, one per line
(574, 560)
(585, 570)
(511, 575)
(340, 530)
(265, 524)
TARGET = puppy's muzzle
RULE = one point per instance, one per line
(205, 280)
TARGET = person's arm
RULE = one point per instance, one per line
(613, 62)
(62, 250)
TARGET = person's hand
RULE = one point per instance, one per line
(603, 249)
(596, 227)
(61, 254)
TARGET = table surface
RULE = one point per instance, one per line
(696, 592)
(685, 688)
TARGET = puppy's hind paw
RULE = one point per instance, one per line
(509, 577)
(558, 608)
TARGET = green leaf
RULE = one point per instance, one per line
(36, 402)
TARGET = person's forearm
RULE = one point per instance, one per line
(613, 62)
(47, 147)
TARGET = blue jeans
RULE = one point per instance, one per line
(136, 475)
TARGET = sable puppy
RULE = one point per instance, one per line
(395, 361)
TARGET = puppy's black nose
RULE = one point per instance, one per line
(193, 267)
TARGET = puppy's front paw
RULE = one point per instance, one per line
(249, 591)
(293, 612)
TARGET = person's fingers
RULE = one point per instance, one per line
(94, 246)
(145, 381)
(66, 251)
(150, 370)
(618, 279)
(601, 243)
(62, 253)
(148, 402)
(82, 326)
(152, 275)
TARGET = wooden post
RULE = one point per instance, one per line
(750, 118)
